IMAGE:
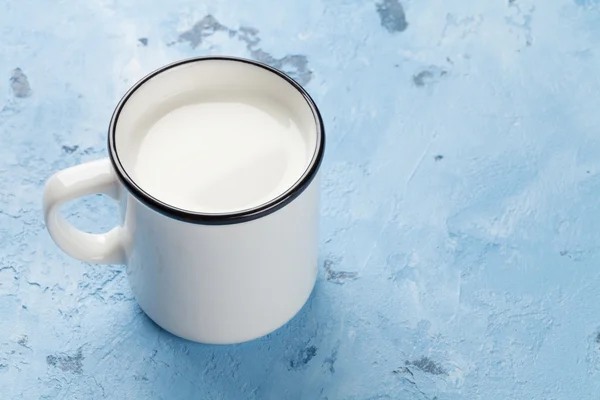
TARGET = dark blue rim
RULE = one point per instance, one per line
(222, 218)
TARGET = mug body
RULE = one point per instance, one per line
(222, 283)
(245, 264)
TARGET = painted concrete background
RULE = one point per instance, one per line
(461, 200)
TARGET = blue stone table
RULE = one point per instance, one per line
(460, 251)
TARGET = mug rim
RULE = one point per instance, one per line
(225, 218)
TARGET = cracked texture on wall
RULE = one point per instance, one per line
(295, 65)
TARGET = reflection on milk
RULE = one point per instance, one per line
(255, 181)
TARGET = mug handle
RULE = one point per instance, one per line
(95, 177)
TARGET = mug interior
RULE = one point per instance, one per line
(269, 168)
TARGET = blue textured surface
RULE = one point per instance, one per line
(461, 200)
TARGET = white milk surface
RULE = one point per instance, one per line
(222, 153)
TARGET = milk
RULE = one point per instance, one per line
(218, 152)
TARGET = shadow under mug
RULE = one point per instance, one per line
(212, 278)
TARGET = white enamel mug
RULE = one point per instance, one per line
(208, 277)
